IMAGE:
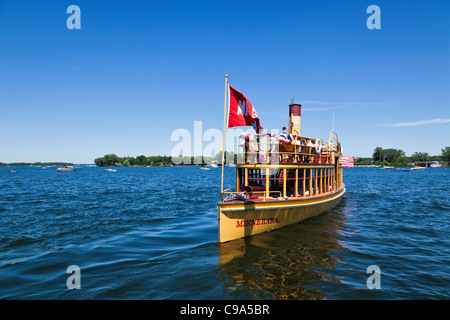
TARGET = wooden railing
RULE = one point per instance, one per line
(229, 195)
(301, 150)
(270, 180)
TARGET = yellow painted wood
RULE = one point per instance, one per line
(237, 180)
(245, 177)
(310, 182)
(238, 220)
(304, 183)
(315, 182)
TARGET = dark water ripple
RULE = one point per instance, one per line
(151, 233)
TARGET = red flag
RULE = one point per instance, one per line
(241, 111)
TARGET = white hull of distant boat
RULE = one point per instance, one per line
(418, 168)
(65, 169)
(435, 165)
(110, 170)
(205, 169)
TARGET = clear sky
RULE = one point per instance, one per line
(138, 70)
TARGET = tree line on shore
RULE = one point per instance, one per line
(398, 158)
(113, 160)
(35, 164)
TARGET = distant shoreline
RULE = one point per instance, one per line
(35, 164)
(63, 164)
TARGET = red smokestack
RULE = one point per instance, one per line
(295, 115)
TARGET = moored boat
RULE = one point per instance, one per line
(65, 169)
(281, 182)
(402, 169)
(435, 164)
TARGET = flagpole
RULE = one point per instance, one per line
(223, 132)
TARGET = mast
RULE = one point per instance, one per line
(223, 132)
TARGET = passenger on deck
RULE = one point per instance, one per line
(311, 147)
(253, 146)
(273, 148)
(290, 192)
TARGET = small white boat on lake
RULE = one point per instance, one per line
(65, 169)
(435, 164)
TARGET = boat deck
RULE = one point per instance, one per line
(247, 199)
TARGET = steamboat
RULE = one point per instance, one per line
(281, 179)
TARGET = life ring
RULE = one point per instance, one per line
(318, 145)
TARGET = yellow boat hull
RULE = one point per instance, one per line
(239, 220)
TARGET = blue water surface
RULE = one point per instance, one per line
(152, 233)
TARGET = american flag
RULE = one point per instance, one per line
(346, 162)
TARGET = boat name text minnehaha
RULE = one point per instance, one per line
(255, 222)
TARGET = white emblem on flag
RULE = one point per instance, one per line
(243, 108)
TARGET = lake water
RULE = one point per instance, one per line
(152, 233)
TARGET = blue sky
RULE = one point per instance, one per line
(138, 70)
